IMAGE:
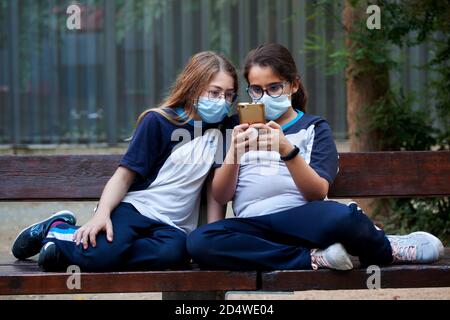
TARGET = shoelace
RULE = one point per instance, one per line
(318, 260)
(403, 253)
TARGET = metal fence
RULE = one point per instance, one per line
(89, 85)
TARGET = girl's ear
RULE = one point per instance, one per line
(295, 85)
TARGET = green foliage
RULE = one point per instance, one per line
(404, 23)
(419, 214)
(402, 127)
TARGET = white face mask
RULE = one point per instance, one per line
(212, 112)
(275, 107)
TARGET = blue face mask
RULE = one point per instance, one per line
(212, 111)
(275, 107)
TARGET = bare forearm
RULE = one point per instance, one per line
(309, 183)
(216, 211)
(115, 190)
(225, 179)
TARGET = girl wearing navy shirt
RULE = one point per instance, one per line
(152, 201)
(278, 178)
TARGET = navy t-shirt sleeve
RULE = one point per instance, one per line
(145, 146)
(324, 156)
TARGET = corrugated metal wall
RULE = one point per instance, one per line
(89, 86)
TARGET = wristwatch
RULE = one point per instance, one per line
(291, 155)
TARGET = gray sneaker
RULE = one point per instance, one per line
(333, 257)
(416, 247)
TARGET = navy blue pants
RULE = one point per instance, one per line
(139, 243)
(283, 240)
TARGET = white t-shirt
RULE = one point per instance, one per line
(265, 184)
(170, 174)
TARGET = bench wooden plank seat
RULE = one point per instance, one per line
(25, 277)
(82, 177)
(395, 276)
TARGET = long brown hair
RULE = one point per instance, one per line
(191, 82)
(280, 60)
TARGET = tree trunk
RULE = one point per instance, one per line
(364, 89)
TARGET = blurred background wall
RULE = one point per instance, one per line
(60, 86)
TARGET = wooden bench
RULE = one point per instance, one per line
(82, 177)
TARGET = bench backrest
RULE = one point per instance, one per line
(82, 177)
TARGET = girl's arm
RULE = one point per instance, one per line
(309, 183)
(143, 151)
(225, 178)
(115, 190)
(216, 211)
(113, 193)
(223, 184)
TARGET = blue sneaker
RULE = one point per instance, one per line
(416, 247)
(29, 241)
(51, 258)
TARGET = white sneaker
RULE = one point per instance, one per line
(416, 247)
(333, 257)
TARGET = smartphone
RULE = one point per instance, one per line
(251, 113)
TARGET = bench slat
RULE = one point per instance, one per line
(24, 277)
(27, 279)
(82, 177)
(405, 276)
(389, 174)
(394, 276)
(15, 281)
(72, 177)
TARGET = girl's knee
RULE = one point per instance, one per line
(196, 243)
(173, 254)
(342, 220)
(208, 242)
(351, 223)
